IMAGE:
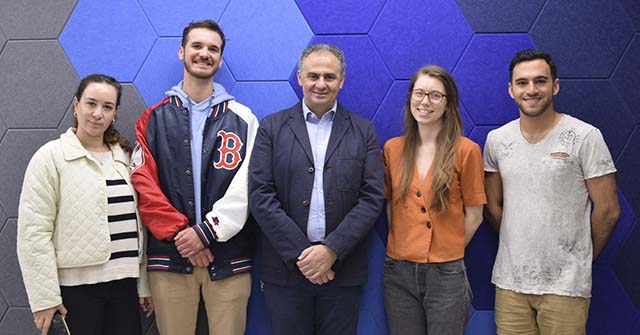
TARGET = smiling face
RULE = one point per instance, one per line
(425, 111)
(95, 111)
(532, 87)
(321, 79)
(202, 53)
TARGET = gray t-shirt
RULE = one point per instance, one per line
(545, 235)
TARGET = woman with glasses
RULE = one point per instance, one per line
(80, 242)
(435, 192)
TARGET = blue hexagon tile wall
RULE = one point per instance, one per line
(596, 45)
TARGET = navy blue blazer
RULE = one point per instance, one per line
(280, 185)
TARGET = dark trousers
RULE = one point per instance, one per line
(109, 308)
(308, 309)
(429, 298)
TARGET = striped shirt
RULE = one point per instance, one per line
(121, 218)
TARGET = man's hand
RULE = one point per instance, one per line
(43, 318)
(202, 258)
(188, 242)
(315, 263)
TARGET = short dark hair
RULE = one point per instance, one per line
(206, 24)
(531, 54)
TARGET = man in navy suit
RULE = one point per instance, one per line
(316, 190)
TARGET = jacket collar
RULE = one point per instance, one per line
(341, 124)
(73, 149)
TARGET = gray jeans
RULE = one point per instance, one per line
(426, 298)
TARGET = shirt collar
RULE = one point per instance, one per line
(306, 111)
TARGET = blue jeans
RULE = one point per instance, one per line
(426, 298)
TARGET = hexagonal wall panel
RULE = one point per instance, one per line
(628, 166)
(3, 39)
(633, 10)
(265, 98)
(111, 37)
(610, 306)
(367, 79)
(482, 76)
(163, 70)
(3, 220)
(16, 150)
(3, 307)
(626, 264)
(10, 278)
(3, 129)
(619, 235)
(264, 38)
(18, 321)
(481, 322)
(131, 107)
(584, 40)
(478, 258)
(169, 18)
(490, 16)
(410, 34)
(595, 102)
(626, 77)
(389, 119)
(37, 19)
(42, 83)
(328, 17)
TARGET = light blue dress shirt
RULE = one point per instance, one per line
(319, 131)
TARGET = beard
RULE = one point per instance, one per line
(537, 111)
(199, 75)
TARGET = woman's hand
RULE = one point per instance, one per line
(146, 303)
(43, 318)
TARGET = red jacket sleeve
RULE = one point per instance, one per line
(157, 213)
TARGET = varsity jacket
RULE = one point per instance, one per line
(162, 174)
(62, 217)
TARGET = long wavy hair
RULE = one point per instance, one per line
(446, 140)
(111, 134)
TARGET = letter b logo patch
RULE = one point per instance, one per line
(229, 151)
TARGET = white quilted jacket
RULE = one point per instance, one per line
(62, 218)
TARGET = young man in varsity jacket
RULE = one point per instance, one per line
(190, 170)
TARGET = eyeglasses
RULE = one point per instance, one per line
(435, 97)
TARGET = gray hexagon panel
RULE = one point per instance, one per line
(16, 149)
(42, 83)
(3, 220)
(3, 306)
(34, 19)
(11, 284)
(18, 321)
(3, 129)
(3, 39)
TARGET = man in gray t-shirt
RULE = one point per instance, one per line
(544, 173)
